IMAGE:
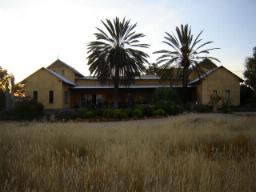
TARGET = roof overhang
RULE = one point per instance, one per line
(127, 87)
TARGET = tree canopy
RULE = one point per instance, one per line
(185, 53)
(250, 71)
(116, 53)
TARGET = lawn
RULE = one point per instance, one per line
(193, 152)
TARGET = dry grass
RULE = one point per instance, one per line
(185, 153)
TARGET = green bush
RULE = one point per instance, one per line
(168, 100)
(108, 113)
(120, 114)
(89, 114)
(148, 110)
(227, 108)
(67, 114)
(162, 95)
(26, 109)
(170, 108)
(6, 115)
(137, 113)
(159, 112)
(203, 108)
(174, 109)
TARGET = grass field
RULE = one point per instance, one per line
(197, 152)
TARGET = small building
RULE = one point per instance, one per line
(60, 86)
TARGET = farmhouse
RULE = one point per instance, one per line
(61, 86)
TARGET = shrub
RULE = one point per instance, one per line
(5, 115)
(98, 112)
(148, 110)
(168, 100)
(202, 108)
(137, 113)
(227, 108)
(67, 114)
(174, 109)
(108, 113)
(120, 114)
(170, 108)
(159, 112)
(26, 109)
(89, 114)
(162, 95)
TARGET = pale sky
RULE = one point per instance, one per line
(34, 33)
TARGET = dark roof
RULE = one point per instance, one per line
(126, 87)
(147, 77)
(202, 77)
(58, 61)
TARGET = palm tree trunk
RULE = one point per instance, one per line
(116, 87)
(185, 86)
(116, 96)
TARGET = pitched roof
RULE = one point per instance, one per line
(60, 77)
(202, 77)
(58, 61)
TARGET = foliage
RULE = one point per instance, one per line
(246, 94)
(202, 108)
(148, 110)
(166, 94)
(2, 100)
(250, 71)
(137, 112)
(7, 84)
(159, 112)
(120, 114)
(27, 109)
(152, 69)
(184, 55)
(169, 100)
(115, 54)
(115, 114)
(214, 99)
(6, 80)
(68, 114)
(108, 113)
(89, 114)
(227, 108)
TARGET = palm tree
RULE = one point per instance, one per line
(115, 54)
(185, 54)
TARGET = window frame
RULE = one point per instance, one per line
(35, 95)
(227, 96)
(51, 97)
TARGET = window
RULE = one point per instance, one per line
(227, 95)
(35, 95)
(93, 99)
(215, 92)
(63, 72)
(51, 96)
(66, 97)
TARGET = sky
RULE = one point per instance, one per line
(34, 33)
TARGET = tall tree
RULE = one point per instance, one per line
(8, 89)
(250, 71)
(115, 54)
(185, 53)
